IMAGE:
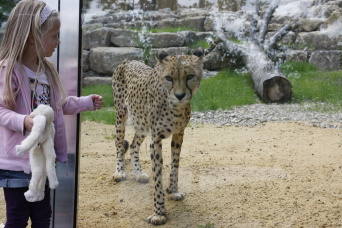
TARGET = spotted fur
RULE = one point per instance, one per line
(158, 102)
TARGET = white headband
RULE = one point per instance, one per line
(46, 12)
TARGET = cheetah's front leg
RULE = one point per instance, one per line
(159, 216)
(176, 145)
(121, 145)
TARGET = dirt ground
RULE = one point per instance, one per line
(273, 175)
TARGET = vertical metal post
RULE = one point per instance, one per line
(68, 61)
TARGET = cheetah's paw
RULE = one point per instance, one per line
(156, 219)
(141, 177)
(119, 176)
(176, 196)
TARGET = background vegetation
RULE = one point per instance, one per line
(231, 89)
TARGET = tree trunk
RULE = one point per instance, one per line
(270, 83)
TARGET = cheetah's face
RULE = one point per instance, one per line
(181, 76)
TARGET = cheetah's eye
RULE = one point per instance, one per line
(169, 78)
(189, 77)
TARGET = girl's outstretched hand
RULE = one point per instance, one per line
(97, 101)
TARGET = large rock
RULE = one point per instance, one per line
(334, 17)
(166, 39)
(97, 38)
(317, 41)
(159, 15)
(91, 27)
(326, 60)
(217, 60)
(189, 37)
(125, 38)
(193, 23)
(167, 23)
(296, 55)
(209, 24)
(192, 12)
(322, 10)
(310, 24)
(104, 60)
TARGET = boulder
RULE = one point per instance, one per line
(217, 60)
(296, 55)
(158, 15)
(104, 60)
(317, 41)
(91, 27)
(326, 60)
(322, 10)
(310, 24)
(209, 24)
(166, 39)
(334, 17)
(93, 80)
(193, 23)
(192, 12)
(125, 38)
(97, 38)
(189, 37)
(166, 23)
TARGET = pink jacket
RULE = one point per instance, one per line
(12, 122)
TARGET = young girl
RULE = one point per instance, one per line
(28, 79)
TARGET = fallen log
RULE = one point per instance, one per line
(270, 83)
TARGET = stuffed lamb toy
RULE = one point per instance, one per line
(42, 153)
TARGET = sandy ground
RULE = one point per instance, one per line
(272, 175)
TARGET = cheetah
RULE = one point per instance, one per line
(158, 101)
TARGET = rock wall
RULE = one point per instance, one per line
(119, 35)
(110, 39)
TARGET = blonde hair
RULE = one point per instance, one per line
(23, 20)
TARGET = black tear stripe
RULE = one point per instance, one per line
(188, 88)
(171, 87)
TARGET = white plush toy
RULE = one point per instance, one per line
(42, 153)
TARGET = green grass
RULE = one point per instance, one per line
(106, 114)
(230, 89)
(200, 43)
(224, 91)
(172, 29)
(312, 85)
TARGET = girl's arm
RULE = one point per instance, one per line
(75, 105)
(11, 119)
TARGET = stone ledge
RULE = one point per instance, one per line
(86, 81)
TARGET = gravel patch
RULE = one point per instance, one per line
(253, 115)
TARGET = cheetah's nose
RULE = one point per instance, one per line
(180, 96)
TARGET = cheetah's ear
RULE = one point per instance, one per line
(199, 52)
(161, 55)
